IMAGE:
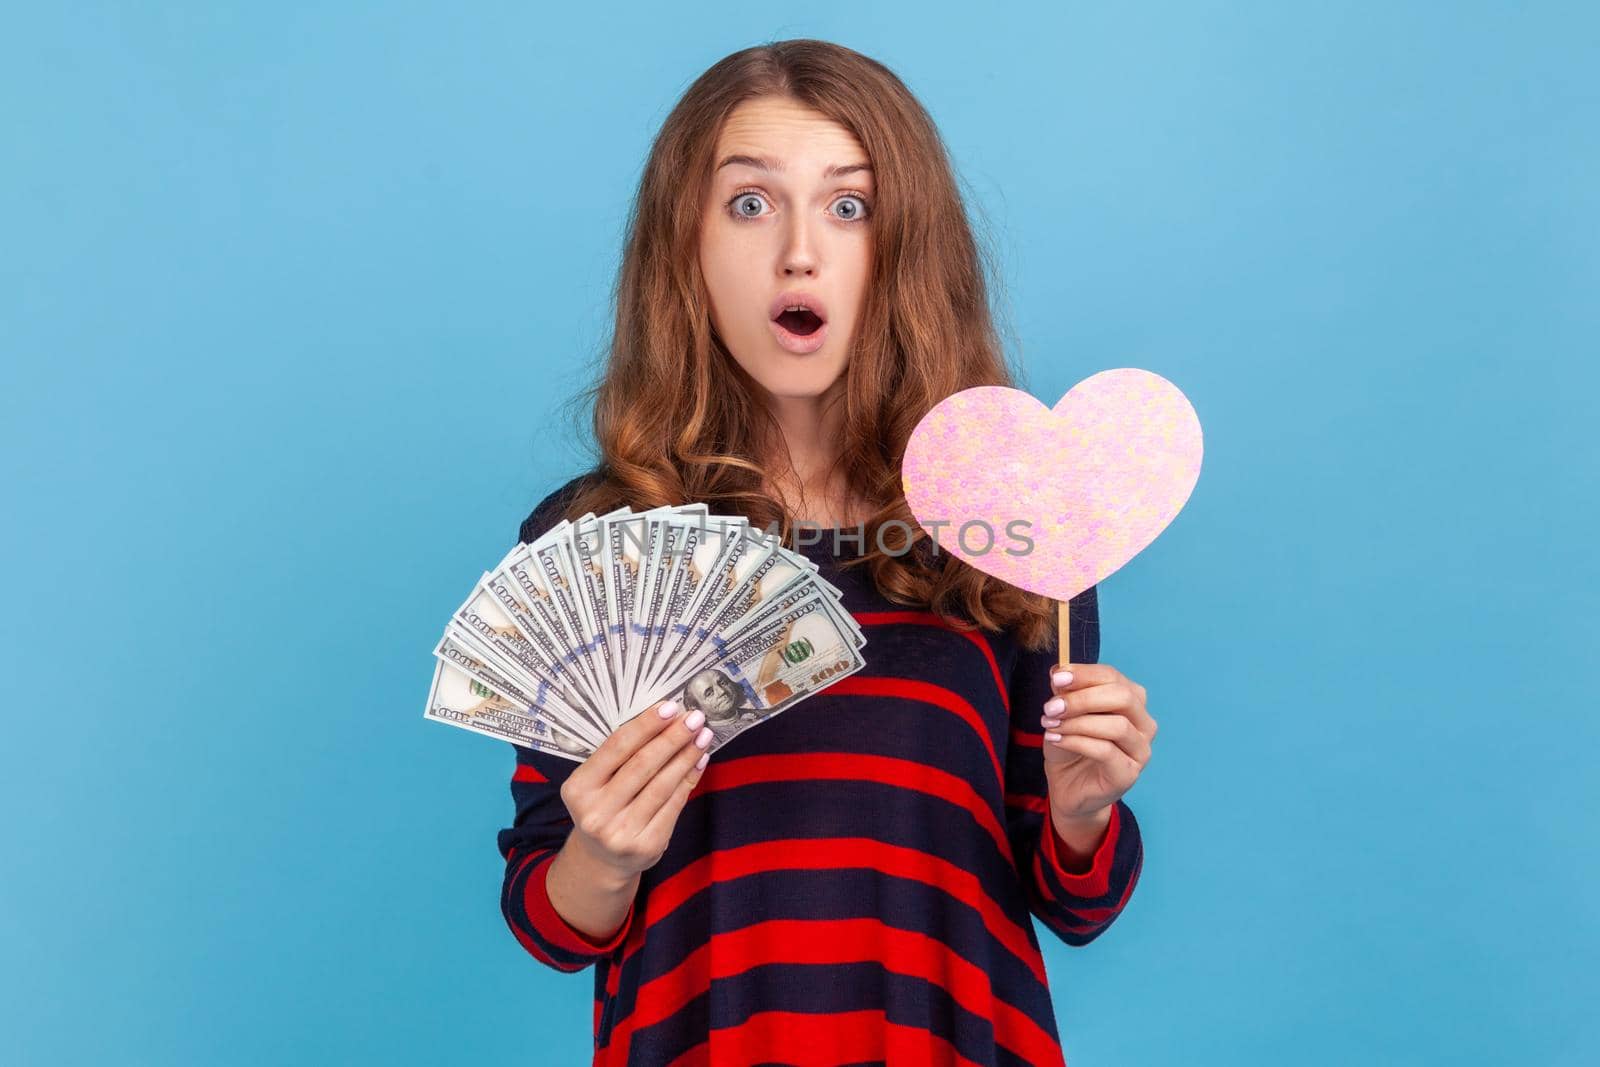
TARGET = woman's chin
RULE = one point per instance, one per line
(786, 381)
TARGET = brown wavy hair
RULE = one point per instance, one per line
(676, 419)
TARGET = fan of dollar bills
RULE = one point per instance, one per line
(597, 620)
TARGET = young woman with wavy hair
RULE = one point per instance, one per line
(854, 880)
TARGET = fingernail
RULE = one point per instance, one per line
(1050, 722)
(701, 762)
(1061, 678)
(1055, 706)
(669, 709)
(703, 738)
(1052, 737)
(696, 717)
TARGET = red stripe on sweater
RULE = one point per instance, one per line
(928, 618)
(836, 766)
(1091, 883)
(808, 1040)
(851, 766)
(833, 941)
(1028, 802)
(891, 771)
(827, 853)
(1097, 916)
(533, 947)
(927, 693)
(552, 927)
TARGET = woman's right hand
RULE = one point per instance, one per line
(625, 798)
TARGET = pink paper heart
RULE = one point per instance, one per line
(1096, 478)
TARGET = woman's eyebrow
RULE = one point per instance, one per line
(762, 163)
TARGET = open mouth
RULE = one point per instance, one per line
(802, 322)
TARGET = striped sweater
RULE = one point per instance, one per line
(853, 881)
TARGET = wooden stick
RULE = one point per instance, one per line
(1064, 630)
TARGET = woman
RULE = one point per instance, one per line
(851, 881)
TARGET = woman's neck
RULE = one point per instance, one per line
(819, 503)
(806, 477)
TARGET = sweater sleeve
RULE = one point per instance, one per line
(540, 827)
(1076, 900)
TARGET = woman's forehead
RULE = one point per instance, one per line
(789, 139)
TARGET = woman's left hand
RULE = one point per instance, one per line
(1103, 733)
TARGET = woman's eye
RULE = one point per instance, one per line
(741, 205)
(744, 199)
(854, 212)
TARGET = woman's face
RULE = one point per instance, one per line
(791, 228)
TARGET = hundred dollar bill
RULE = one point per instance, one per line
(807, 587)
(769, 576)
(524, 613)
(624, 544)
(690, 544)
(740, 552)
(613, 585)
(556, 631)
(703, 578)
(584, 559)
(503, 678)
(653, 538)
(461, 700)
(541, 702)
(483, 623)
(787, 657)
(550, 569)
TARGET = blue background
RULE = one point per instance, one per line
(290, 298)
